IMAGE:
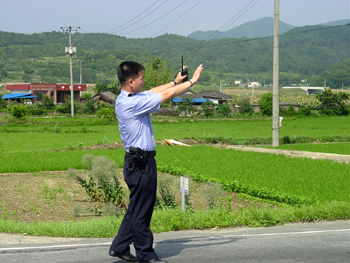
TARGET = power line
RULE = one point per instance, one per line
(285, 34)
(176, 20)
(249, 6)
(155, 20)
(135, 16)
(139, 19)
(231, 19)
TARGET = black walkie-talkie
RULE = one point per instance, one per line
(184, 71)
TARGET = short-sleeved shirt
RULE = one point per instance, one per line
(133, 114)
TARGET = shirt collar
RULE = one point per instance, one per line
(125, 93)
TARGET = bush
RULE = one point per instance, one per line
(333, 103)
(224, 111)
(186, 108)
(245, 107)
(65, 107)
(36, 109)
(107, 113)
(102, 185)
(208, 108)
(265, 104)
(17, 111)
(3, 103)
(47, 103)
(89, 107)
(290, 112)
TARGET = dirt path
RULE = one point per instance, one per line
(341, 158)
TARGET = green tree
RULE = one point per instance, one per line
(17, 111)
(334, 102)
(107, 113)
(208, 108)
(156, 74)
(224, 111)
(265, 104)
(113, 87)
(26, 78)
(185, 107)
(3, 103)
(245, 107)
(337, 76)
(47, 103)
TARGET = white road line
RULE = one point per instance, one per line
(241, 235)
(289, 233)
(55, 246)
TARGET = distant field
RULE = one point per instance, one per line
(254, 128)
(62, 134)
(338, 148)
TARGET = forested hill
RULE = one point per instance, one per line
(304, 52)
(259, 28)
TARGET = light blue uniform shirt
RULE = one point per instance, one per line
(133, 114)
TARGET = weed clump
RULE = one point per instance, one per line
(102, 184)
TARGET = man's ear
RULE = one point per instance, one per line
(131, 84)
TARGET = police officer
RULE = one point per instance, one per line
(133, 108)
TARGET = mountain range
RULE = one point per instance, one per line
(254, 29)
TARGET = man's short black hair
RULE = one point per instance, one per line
(129, 69)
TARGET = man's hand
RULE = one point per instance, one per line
(180, 78)
(197, 74)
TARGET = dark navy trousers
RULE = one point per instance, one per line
(135, 225)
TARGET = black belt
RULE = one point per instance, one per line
(149, 154)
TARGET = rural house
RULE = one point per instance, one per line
(105, 96)
(59, 92)
(216, 97)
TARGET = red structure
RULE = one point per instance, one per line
(59, 92)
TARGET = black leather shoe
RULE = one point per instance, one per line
(126, 256)
(158, 260)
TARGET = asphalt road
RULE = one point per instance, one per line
(310, 242)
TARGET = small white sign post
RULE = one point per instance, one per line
(184, 190)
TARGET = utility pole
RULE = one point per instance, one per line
(276, 69)
(222, 84)
(81, 70)
(71, 51)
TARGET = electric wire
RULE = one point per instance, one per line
(252, 39)
(115, 31)
(244, 10)
(222, 30)
(176, 20)
(124, 33)
(236, 41)
(281, 36)
(136, 16)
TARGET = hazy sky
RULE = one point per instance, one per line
(150, 18)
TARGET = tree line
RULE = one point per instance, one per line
(314, 53)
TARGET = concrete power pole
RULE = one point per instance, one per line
(81, 70)
(71, 51)
(276, 69)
